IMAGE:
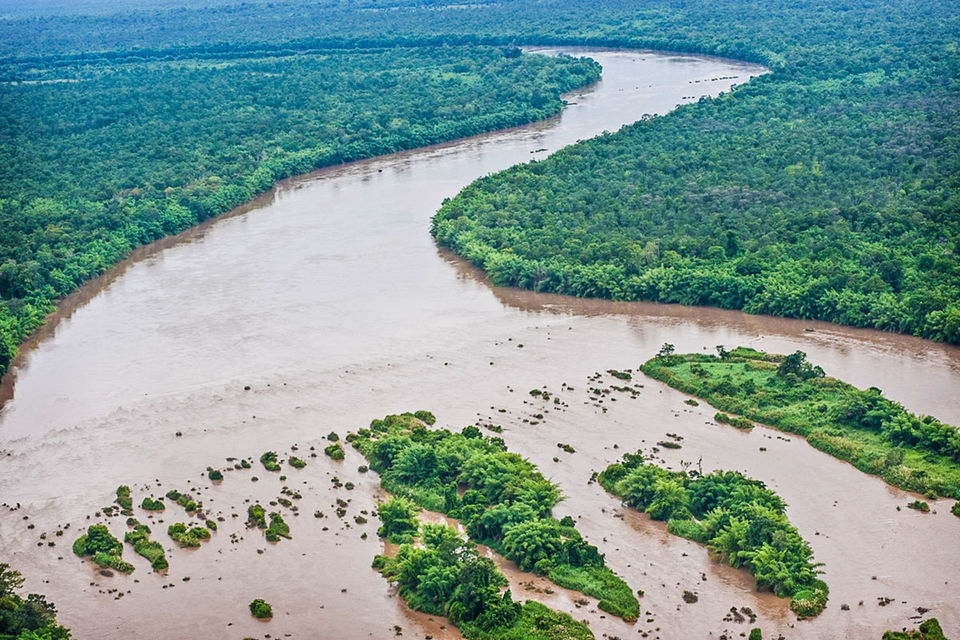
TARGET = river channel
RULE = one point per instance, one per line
(324, 304)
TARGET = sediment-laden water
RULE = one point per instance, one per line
(329, 300)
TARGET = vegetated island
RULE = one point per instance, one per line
(827, 189)
(876, 435)
(505, 502)
(137, 149)
(445, 576)
(30, 618)
(928, 630)
(737, 518)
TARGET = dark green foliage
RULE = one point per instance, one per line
(296, 462)
(335, 451)
(955, 509)
(622, 375)
(878, 436)
(123, 499)
(332, 436)
(848, 215)
(919, 505)
(211, 525)
(185, 537)
(269, 461)
(737, 518)
(734, 421)
(260, 609)
(399, 520)
(256, 516)
(149, 549)
(30, 618)
(447, 577)
(755, 634)
(152, 505)
(184, 500)
(214, 474)
(928, 630)
(277, 529)
(506, 503)
(104, 155)
(425, 416)
(104, 549)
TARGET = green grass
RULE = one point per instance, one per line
(876, 435)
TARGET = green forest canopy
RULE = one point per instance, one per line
(101, 157)
(827, 189)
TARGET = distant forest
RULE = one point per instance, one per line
(101, 157)
(825, 189)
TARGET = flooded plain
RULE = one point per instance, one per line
(325, 304)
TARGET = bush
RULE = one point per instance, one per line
(123, 499)
(269, 461)
(104, 549)
(277, 529)
(149, 549)
(187, 538)
(425, 416)
(335, 451)
(296, 462)
(260, 609)
(149, 504)
(214, 474)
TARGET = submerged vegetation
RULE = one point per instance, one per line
(149, 504)
(506, 503)
(928, 630)
(29, 618)
(445, 576)
(269, 461)
(188, 537)
(261, 609)
(876, 435)
(737, 518)
(257, 517)
(139, 537)
(103, 548)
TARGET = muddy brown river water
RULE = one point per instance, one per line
(329, 300)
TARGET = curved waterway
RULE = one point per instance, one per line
(325, 304)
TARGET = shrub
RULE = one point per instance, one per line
(269, 461)
(919, 505)
(123, 499)
(425, 416)
(149, 504)
(261, 609)
(214, 474)
(188, 538)
(277, 529)
(335, 451)
(296, 462)
(104, 549)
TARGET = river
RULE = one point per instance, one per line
(324, 304)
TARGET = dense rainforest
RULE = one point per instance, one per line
(100, 158)
(26, 618)
(826, 189)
